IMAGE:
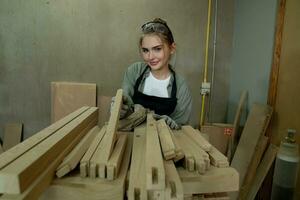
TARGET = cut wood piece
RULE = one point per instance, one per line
(44, 179)
(114, 161)
(76, 188)
(197, 138)
(217, 159)
(17, 151)
(112, 127)
(255, 126)
(85, 161)
(17, 176)
(174, 188)
(262, 170)
(179, 154)
(155, 171)
(259, 150)
(214, 180)
(12, 135)
(66, 97)
(73, 158)
(137, 177)
(216, 196)
(166, 141)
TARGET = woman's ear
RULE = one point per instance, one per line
(173, 48)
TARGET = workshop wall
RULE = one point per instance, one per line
(94, 41)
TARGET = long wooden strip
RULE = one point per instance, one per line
(166, 141)
(155, 171)
(114, 161)
(217, 158)
(17, 176)
(214, 180)
(17, 151)
(85, 161)
(73, 158)
(202, 142)
(47, 175)
(174, 188)
(12, 135)
(179, 154)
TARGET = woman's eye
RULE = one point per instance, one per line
(157, 49)
(144, 50)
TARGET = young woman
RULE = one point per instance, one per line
(154, 83)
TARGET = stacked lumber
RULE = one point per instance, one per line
(28, 168)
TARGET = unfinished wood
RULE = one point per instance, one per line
(214, 180)
(174, 188)
(155, 171)
(216, 196)
(46, 176)
(193, 134)
(262, 170)
(179, 154)
(73, 158)
(66, 97)
(12, 135)
(137, 177)
(217, 158)
(255, 126)
(85, 161)
(17, 151)
(259, 150)
(166, 141)
(114, 161)
(17, 176)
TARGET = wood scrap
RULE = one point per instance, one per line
(166, 141)
(196, 137)
(12, 135)
(73, 158)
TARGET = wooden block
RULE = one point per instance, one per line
(12, 154)
(255, 126)
(137, 177)
(166, 141)
(197, 138)
(17, 176)
(114, 161)
(76, 188)
(73, 158)
(262, 170)
(44, 179)
(174, 188)
(85, 161)
(155, 171)
(217, 158)
(66, 97)
(214, 180)
(12, 135)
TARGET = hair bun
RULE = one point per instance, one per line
(161, 21)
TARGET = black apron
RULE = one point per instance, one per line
(160, 105)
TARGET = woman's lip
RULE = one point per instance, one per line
(153, 63)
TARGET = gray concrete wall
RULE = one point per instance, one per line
(94, 41)
(253, 42)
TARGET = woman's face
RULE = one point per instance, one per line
(155, 52)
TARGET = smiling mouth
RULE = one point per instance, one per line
(153, 63)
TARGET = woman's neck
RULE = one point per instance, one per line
(161, 74)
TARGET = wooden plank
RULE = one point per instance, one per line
(255, 126)
(76, 188)
(216, 196)
(192, 133)
(45, 178)
(85, 161)
(262, 170)
(259, 150)
(174, 188)
(217, 158)
(114, 161)
(17, 151)
(179, 154)
(73, 158)
(12, 135)
(66, 97)
(137, 177)
(166, 141)
(155, 171)
(214, 180)
(17, 176)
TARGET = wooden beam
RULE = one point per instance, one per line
(196, 137)
(17, 177)
(174, 188)
(217, 158)
(73, 158)
(12, 135)
(166, 141)
(9, 156)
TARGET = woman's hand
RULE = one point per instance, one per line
(171, 123)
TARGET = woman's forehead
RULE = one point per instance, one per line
(151, 40)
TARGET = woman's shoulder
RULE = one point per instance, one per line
(137, 67)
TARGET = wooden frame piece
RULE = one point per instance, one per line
(166, 141)
(174, 188)
(197, 138)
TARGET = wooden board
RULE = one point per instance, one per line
(193, 134)
(255, 126)
(166, 141)
(12, 135)
(174, 188)
(73, 187)
(17, 151)
(214, 180)
(218, 159)
(66, 97)
(18, 176)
